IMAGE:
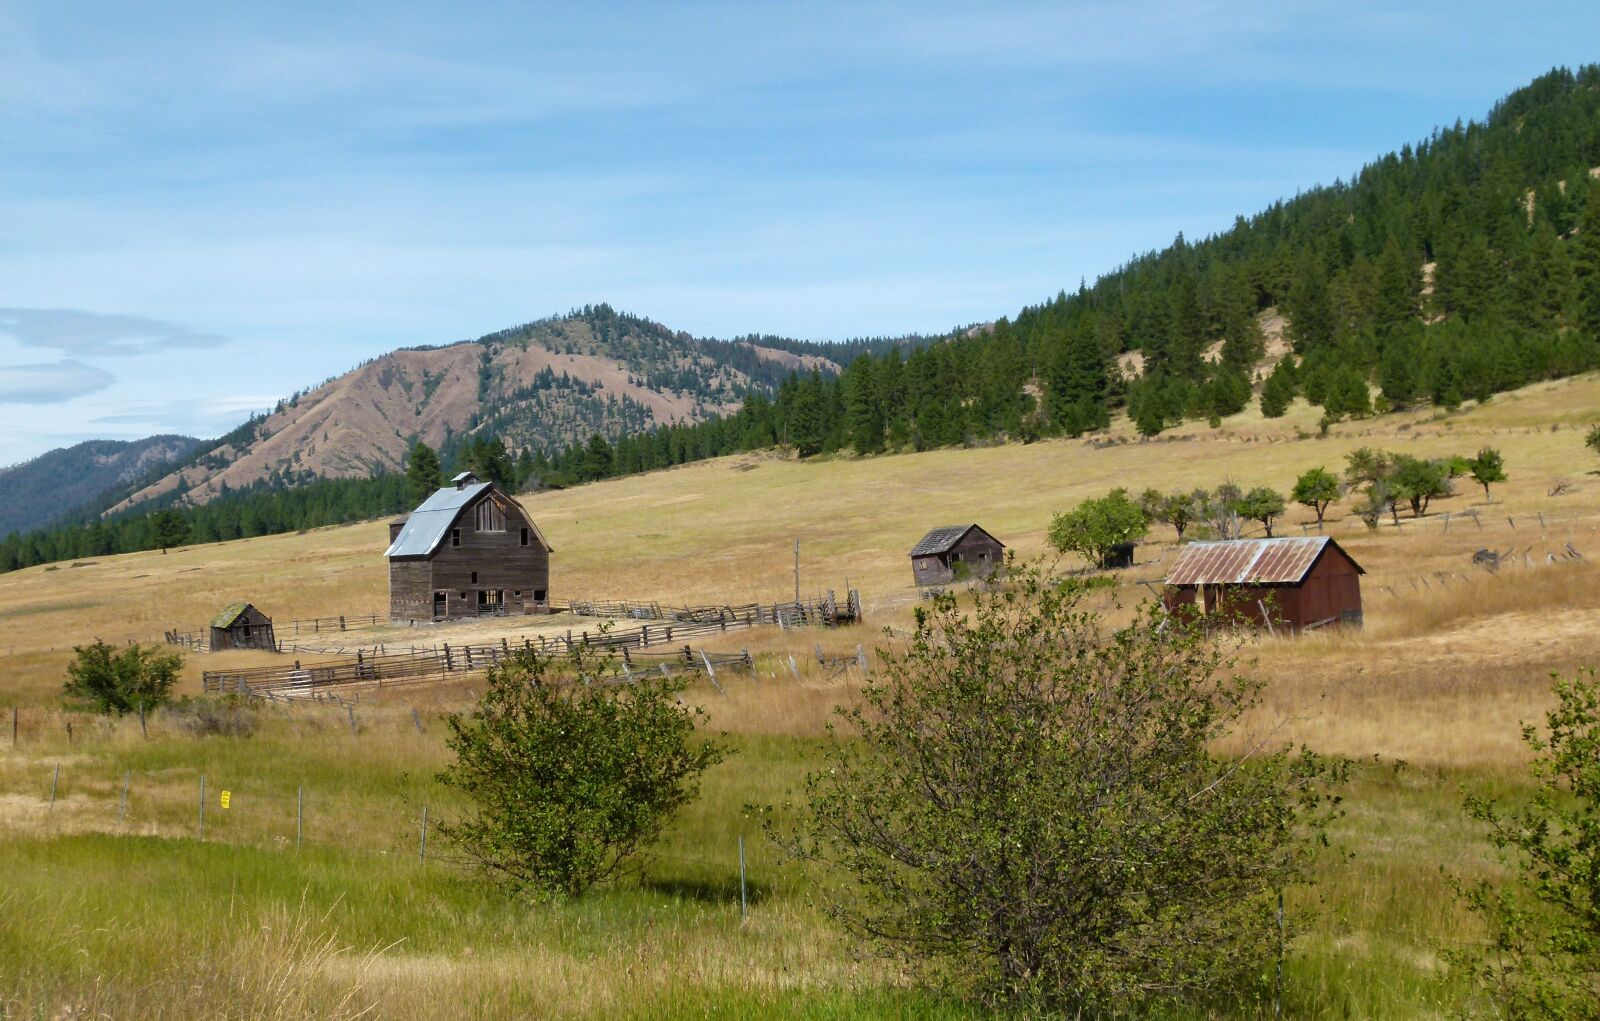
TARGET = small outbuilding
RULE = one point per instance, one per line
(242, 626)
(955, 552)
(1299, 584)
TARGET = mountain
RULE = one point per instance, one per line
(63, 483)
(1460, 266)
(542, 385)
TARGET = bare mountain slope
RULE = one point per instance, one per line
(542, 384)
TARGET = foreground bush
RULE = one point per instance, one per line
(113, 680)
(1543, 956)
(570, 777)
(1029, 810)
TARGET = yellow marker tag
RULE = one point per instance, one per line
(226, 797)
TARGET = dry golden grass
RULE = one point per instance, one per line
(1440, 674)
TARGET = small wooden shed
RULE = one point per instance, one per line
(1298, 584)
(242, 626)
(952, 552)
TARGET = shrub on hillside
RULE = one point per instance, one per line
(112, 680)
(1030, 810)
(570, 776)
(1543, 956)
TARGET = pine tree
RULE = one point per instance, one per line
(1586, 266)
(1279, 390)
(423, 473)
(863, 413)
(1187, 333)
(1310, 311)
(1399, 290)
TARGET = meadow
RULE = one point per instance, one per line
(106, 913)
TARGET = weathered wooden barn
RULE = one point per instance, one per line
(242, 626)
(468, 550)
(955, 552)
(1296, 584)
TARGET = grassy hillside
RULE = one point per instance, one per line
(1449, 662)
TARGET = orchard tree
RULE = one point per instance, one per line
(1488, 467)
(1316, 488)
(1263, 504)
(1028, 808)
(1095, 527)
(1417, 481)
(570, 777)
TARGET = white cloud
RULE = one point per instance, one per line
(93, 333)
(50, 383)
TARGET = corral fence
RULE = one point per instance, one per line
(822, 611)
(441, 661)
(825, 610)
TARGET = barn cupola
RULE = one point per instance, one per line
(464, 480)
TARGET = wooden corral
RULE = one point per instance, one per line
(954, 552)
(242, 626)
(1293, 584)
(469, 550)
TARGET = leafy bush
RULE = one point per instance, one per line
(570, 777)
(112, 680)
(1543, 958)
(1029, 810)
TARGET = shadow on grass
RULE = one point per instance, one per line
(722, 890)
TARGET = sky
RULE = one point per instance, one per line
(206, 207)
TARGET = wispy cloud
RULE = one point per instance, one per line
(75, 331)
(50, 383)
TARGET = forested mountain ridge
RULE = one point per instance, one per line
(1448, 271)
(55, 485)
(540, 385)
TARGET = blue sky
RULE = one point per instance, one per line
(204, 207)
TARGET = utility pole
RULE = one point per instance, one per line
(797, 571)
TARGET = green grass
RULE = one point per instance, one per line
(142, 919)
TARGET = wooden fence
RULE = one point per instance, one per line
(441, 661)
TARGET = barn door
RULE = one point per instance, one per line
(440, 610)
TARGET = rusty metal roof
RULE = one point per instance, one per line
(1250, 561)
(943, 540)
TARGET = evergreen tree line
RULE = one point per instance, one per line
(1460, 267)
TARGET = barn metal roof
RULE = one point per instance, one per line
(427, 526)
(944, 539)
(228, 614)
(1250, 561)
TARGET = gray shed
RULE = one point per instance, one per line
(952, 552)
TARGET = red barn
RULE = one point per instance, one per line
(1299, 584)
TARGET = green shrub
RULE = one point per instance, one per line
(1028, 809)
(570, 777)
(112, 680)
(1543, 956)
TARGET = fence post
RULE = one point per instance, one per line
(422, 846)
(744, 904)
(55, 778)
(712, 673)
(299, 815)
(202, 806)
(122, 810)
(351, 709)
(416, 718)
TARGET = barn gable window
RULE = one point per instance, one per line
(490, 518)
(455, 536)
(524, 537)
